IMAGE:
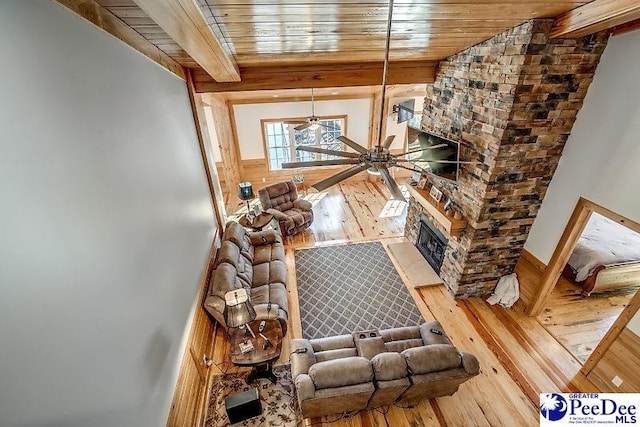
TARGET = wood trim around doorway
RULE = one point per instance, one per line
(575, 227)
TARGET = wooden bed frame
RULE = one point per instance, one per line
(607, 277)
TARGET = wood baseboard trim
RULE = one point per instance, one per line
(533, 260)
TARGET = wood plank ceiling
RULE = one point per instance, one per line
(343, 37)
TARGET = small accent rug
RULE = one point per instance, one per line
(348, 288)
(279, 402)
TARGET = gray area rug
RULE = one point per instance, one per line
(350, 288)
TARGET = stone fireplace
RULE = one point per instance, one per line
(511, 101)
(431, 243)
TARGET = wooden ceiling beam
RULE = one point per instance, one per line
(183, 21)
(595, 16)
(108, 22)
(320, 76)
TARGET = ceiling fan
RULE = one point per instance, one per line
(377, 160)
(313, 121)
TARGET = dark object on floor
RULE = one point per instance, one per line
(350, 288)
(281, 201)
(242, 406)
(279, 403)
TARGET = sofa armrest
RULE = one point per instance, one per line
(304, 387)
(431, 358)
(301, 362)
(302, 204)
(279, 216)
(215, 306)
(429, 337)
(470, 363)
(265, 237)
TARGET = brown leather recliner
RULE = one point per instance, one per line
(281, 201)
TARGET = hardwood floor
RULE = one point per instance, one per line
(519, 357)
(349, 212)
(580, 323)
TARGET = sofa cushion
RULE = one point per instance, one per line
(369, 347)
(224, 280)
(236, 234)
(264, 237)
(338, 353)
(341, 372)
(269, 272)
(332, 343)
(228, 252)
(432, 358)
(275, 293)
(389, 366)
(298, 216)
(279, 195)
(401, 345)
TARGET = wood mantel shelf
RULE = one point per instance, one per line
(451, 225)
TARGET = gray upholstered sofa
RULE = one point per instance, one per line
(376, 368)
(254, 261)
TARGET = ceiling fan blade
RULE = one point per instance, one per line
(302, 126)
(295, 165)
(312, 149)
(439, 161)
(359, 148)
(294, 122)
(388, 141)
(332, 180)
(391, 184)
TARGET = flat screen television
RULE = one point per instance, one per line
(436, 148)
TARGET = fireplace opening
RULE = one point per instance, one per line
(432, 244)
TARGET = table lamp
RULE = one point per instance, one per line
(245, 192)
(238, 310)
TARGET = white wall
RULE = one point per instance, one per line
(601, 160)
(105, 224)
(634, 324)
(248, 116)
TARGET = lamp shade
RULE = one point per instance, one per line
(245, 191)
(238, 310)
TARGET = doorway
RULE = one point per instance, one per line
(579, 322)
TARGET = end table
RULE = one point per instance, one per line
(262, 356)
(258, 222)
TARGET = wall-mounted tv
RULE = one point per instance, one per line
(435, 149)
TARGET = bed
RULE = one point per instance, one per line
(607, 256)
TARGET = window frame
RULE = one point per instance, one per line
(265, 145)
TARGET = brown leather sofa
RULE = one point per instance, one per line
(256, 262)
(281, 201)
(377, 368)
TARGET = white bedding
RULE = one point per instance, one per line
(603, 242)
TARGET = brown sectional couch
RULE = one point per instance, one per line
(254, 261)
(377, 368)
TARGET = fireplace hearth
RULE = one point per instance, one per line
(432, 244)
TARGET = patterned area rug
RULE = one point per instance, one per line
(279, 402)
(350, 288)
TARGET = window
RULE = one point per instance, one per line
(281, 140)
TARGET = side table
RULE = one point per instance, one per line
(258, 222)
(262, 356)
